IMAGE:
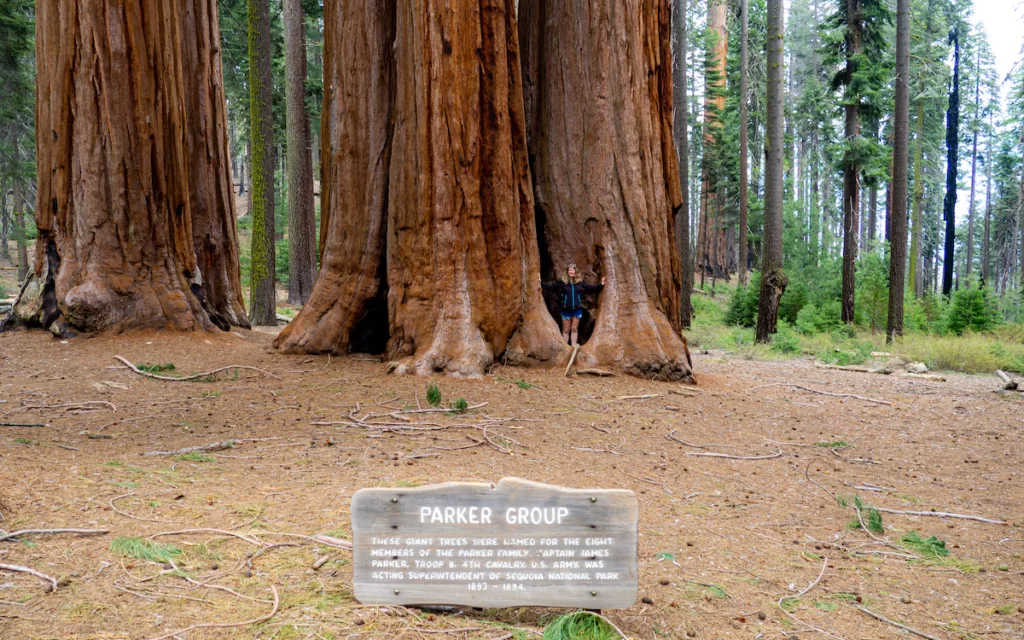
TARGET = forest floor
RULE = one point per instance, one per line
(727, 546)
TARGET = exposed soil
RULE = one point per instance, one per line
(722, 540)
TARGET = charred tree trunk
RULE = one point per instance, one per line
(605, 170)
(115, 246)
(900, 153)
(263, 294)
(952, 166)
(974, 168)
(301, 214)
(773, 279)
(427, 191)
(682, 135)
(851, 168)
(211, 192)
(711, 244)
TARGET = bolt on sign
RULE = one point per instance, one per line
(516, 544)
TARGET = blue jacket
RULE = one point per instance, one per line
(571, 294)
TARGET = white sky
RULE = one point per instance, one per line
(1003, 21)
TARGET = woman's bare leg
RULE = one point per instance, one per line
(565, 329)
(575, 331)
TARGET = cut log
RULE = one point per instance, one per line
(1009, 384)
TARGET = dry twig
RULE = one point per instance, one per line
(41, 576)
(37, 532)
(881, 618)
(777, 454)
(196, 376)
(818, 391)
(227, 625)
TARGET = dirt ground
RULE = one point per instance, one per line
(723, 541)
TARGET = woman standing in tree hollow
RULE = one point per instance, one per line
(572, 291)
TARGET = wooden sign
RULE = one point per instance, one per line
(519, 543)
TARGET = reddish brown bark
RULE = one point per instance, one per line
(211, 193)
(598, 82)
(134, 178)
(115, 246)
(434, 191)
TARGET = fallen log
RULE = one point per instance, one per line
(1009, 384)
(600, 373)
(205, 448)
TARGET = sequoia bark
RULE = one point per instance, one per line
(605, 169)
(115, 245)
(428, 197)
(211, 192)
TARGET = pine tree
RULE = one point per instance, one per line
(898, 231)
(263, 299)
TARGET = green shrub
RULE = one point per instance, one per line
(973, 309)
(793, 301)
(743, 306)
(786, 341)
(434, 394)
(580, 625)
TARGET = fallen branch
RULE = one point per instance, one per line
(240, 536)
(941, 514)
(22, 424)
(646, 396)
(196, 376)
(672, 436)
(881, 618)
(227, 625)
(824, 565)
(38, 532)
(600, 373)
(572, 359)
(818, 391)
(41, 576)
(128, 515)
(206, 448)
(1009, 384)
(777, 454)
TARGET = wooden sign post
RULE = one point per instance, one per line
(516, 544)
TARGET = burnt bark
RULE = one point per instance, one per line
(773, 279)
(301, 214)
(605, 170)
(900, 156)
(211, 192)
(851, 169)
(115, 244)
(952, 166)
(427, 192)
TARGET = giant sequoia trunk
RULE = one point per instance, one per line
(599, 111)
(428, 202)
(117, 236)
(211, 193)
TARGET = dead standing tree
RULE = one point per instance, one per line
(598, 82)
(117, 163)
(428, 191)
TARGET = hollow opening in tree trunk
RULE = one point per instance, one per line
(550, 273)
(372, 332)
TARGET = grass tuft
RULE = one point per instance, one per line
(580, 625)
(144, 549)
(197, 456)
(156, 368)
(434, 394)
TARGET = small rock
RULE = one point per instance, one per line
(905, 600)
(663, 582)
(646, 600)
(761, 616)
(917, 367)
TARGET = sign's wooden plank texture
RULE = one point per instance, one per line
(520, 543)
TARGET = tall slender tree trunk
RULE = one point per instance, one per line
(952, 167)
(900, 153)
(211, 191)
(851, 168)
(681, 131)
(974, 168)
(6, 221)
(712, 241)
(773, 278)
(744, 135)
(115, 232)
(263, 296)
(20, 203)
(302, 245)
(986, 257)
(605, 171)
(916, 221)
